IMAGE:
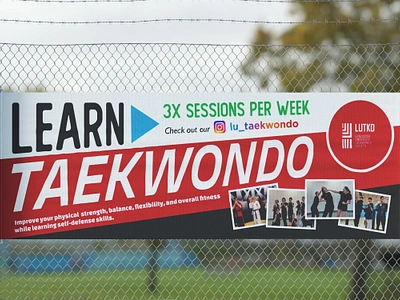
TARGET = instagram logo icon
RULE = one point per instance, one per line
(219, 127)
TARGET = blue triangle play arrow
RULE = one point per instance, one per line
(140, 124)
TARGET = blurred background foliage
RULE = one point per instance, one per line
(300, 62)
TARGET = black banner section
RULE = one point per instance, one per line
(217, 224)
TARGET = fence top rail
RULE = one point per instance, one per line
(199, 44)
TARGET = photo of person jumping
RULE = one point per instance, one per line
(332, 196)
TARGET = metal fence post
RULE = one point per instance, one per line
(362, 265)
(155, 246)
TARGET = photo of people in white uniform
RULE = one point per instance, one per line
(248, 206)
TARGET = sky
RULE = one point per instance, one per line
(154, 32)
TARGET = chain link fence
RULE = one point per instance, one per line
(199, 269)
(182, 68)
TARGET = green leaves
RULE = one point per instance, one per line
(344, 56)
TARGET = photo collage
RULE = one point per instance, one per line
(274, 207)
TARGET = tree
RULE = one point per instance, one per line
(337, 46)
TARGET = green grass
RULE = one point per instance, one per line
(244, 283)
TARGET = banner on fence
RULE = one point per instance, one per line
(199, 165)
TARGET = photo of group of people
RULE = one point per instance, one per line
(286, 209)
(248, 206)
(371, 212)
(321, 199)
(330, 199)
